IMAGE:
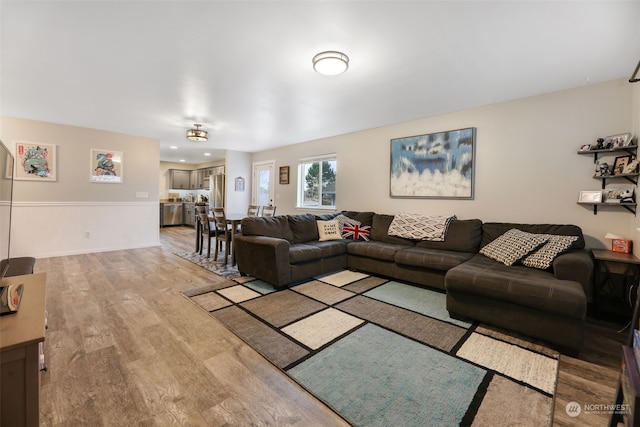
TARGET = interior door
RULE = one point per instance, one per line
(263, 188)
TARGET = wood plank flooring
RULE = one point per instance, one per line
(125, 348)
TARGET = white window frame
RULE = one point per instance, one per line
(302, 183)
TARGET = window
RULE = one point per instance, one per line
(317, 182)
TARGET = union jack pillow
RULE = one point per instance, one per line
(356, 231)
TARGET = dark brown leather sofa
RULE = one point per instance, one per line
(545, 304)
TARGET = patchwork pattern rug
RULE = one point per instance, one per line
(214, 265)
(383, 352)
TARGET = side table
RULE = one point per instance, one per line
(627, 265)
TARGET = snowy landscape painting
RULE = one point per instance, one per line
(437, 165)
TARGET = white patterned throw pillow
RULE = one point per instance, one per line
(543, 257)
(329, 230)
(419, 226)
(513, 246)
(343, 219)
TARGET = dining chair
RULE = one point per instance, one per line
(268, 210)
(253, 210)
(222, 232)
(204, 225)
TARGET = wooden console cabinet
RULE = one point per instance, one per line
(21, 335)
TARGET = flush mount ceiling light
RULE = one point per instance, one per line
(197, 134)
(330, 63)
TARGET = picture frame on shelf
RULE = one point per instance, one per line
(619, 140)
(590, 197)
(621, 163)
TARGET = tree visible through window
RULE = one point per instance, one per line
(317, 186)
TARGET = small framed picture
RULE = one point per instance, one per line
(620, 164)
(284, 174)
(35, 161)
(106, 166)
(239, 184)
(620, 140)
(590, 197)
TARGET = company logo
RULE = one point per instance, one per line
(573, 409)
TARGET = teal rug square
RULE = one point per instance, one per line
(420, 300)
(260, 286)
(375, 377)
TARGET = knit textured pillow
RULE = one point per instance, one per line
(343, 219)
(419, 226)
(543, 257)
(513, 246)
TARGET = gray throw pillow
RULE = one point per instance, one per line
(513, 245)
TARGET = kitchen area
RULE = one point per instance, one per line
(186, 188)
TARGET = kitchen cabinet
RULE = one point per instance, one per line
(190, 214)
(197, 179)
(179, 179)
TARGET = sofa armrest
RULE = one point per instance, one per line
(265, 258)
(576, 265)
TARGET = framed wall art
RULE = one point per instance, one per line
(284, 174)
(106, 166)
(35, 161)
(620, 164)
(436, 165)
(590, 197)
(620, 140)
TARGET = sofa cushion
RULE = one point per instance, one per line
(376, 250)
(492, 230)
(513, 246)
(303, 227)
(330, 248)
(329, 230)
(380, 230)
(519, 285)
(462, 236)
(301, 252)
(543, 257)
(420, 226)
(274, 226)
(435, 259)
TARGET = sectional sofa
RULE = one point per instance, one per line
(545, 303)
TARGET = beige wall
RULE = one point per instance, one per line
(526, 169)
(73, 215)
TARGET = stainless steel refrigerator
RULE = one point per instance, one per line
(216, 191)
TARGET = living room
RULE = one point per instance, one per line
(526, 170)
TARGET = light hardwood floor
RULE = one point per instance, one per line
(124, 348)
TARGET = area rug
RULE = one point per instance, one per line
(214, 265)
(382, 352)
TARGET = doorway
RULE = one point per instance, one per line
(263, 188)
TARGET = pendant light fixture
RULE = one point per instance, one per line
(330, 63)
(197, 134)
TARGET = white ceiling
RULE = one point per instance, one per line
(243, 69)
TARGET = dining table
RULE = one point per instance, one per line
(234, 220)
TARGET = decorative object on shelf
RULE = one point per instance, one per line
(590, 197)
(197, 134)
(631, 167)
(585, 147)
(620, 163)
(106, 166)
(239, 184)
(284, 174)
(622, 246)
(603, 169)
(330, 63)
(437, 165)
(35, 161)
(617, 195)
(619, 140)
